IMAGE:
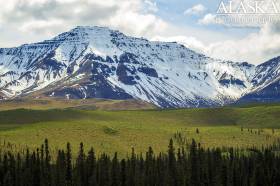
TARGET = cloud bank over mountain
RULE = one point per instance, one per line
(256, 47)
(33, 20)
(45, 18)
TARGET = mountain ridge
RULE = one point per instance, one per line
(97, 62)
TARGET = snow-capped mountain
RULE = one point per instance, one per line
(96, 62)
(266, 83)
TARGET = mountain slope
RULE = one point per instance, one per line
(96, 62)
(266, 83)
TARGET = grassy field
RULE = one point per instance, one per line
(110, 131)
(84, 104)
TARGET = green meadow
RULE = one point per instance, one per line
(111, 131)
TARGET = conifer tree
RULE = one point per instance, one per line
(123, 173)
(8, 181)
(91, 168)
(80, 166)
(47, 167)
(115, 171)
(132, 168)
(149, 177)
(68, 175)
(172, 171)
(194, 165)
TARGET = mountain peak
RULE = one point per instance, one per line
(97, 62)
(89, 28)
(81, 33)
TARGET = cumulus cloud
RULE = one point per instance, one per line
(189, 42)
(24, 21)
(255, 48)
(195, 10)
(46, 18)
(151, 6)
(208, 19)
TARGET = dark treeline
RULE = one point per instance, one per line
(177, 167)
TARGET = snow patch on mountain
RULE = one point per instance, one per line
(89, 62)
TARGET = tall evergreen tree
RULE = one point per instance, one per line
(115, 171)
(81, 168)
(123, 173)
(91, 168)
(172, 167)
(68, 176)
(195, 181)
(47, 167)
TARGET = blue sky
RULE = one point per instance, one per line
(254, 44)
(173, 11)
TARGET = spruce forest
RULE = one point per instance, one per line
(192, 166)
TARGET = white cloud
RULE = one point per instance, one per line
(40, 19)
(255, 48)
(195, 10)
(151, 6)
(208, 19)
(189, 42)
(34, 20)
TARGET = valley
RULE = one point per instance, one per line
(83, 104)
(118, 131)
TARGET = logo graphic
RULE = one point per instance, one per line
(247, 12)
